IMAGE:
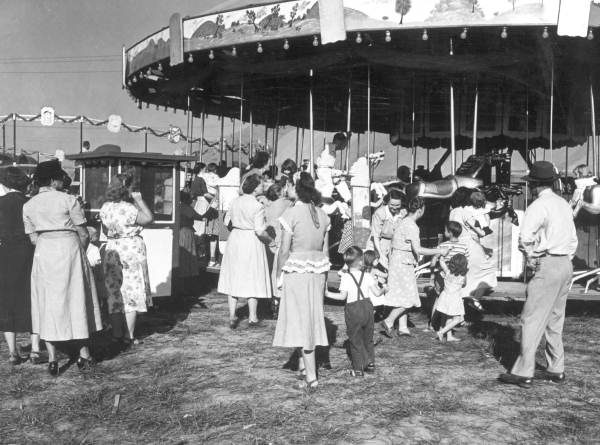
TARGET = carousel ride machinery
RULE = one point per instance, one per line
(486, 77)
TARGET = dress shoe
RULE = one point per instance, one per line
(14, 359)
(370, 368)
(511, 379)
(233, 323)
(85, 363)
(254, 324)
(355, 373)
(35, 358)
(387, 331)
(556, 377)
(53, 369)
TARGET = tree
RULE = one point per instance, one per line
(252, 19)
(293, 14)
(456, 11)
(402, 8)
(220, 27)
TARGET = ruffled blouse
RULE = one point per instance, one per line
(306, 250)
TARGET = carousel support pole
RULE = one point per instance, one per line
(593, 116)
(302, 148)
(551, 110)
(241, 120)
(3, 138)
(358, 147)
(312, 126)
(145, 139)
(222, 145)
(369, 120)
(251, 137)
(348, 125)
(232, 140)
(527, 159)
(276, 150)
(297, 141)
(475, 114)
(14, 118)
(413, 154)
(80, 135)
(202, 121)
(566, 161)
(452, 141)
(188, 148)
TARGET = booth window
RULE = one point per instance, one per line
(155, 183)
(96, 179)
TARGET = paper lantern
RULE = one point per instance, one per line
(47, 118)
(114, 123)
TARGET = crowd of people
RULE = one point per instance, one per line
(277, 248)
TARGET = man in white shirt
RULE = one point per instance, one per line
(549, 241)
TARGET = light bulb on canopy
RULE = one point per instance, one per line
(358, 38)
(388, 36)
(545, 34)
(234, 51)
(211, 55)
(259, 48)
(590, 35)
(315, 41)
(425, 36)
(190, 58)
(463, 34)
(286, 45)
(504, 33)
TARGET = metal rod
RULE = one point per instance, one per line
(266, 137)
(241, 121)
(551, 109)
(3, 138)
(251, 148)
(593, 115)
(348, 124)
(80, 135)
(475, 116)
(527, 158)
(302, 147)
(222, 139)
(146, 140)
(566, 161)
(413, 153)
(188, 149)
(312, 126)
(202, 121)
(232, 140)
(452, 141)
(297, 141)
(369, 119)
(14, 136)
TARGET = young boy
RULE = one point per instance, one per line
(357, 288)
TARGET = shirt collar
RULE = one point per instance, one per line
(545, 192)
(45, 189)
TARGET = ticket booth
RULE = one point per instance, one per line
(158, 177)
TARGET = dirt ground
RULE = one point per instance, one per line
(193, 380)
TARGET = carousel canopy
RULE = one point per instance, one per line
(253, 60)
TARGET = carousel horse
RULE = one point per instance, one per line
(442, 188)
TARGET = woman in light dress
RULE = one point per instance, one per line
(302, 268)
(64, 304)
(123, 216)
(406, 248)
(245, 270)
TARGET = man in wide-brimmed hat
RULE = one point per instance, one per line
(548, 240)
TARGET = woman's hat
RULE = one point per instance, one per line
(14, 178)
(541, 171)
(48, 170)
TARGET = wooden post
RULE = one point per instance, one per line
(452, 141)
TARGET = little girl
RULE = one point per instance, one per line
(450, 303)
(370, 266)
(358, 288)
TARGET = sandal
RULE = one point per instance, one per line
(309, 386)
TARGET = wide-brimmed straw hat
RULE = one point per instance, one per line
(542, 171)
(14, 178)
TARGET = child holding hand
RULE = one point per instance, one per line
(450, 303)
(358, 287)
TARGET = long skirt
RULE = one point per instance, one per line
(188, 257)
(126, 275)
(244, 269)
(64, 304)
(15, 282)
(301, 322)
(482, 271)
(402, 282)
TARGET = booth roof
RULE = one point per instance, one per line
(90, 155)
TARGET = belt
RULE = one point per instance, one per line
(247, 230)
(554, 254)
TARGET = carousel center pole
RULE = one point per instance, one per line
(452, 141)
(593, 116)
(475, 113)
(312, 126)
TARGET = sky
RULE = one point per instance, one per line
(67, 54)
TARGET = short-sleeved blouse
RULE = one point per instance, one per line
(51, 210)
(119, 218)
(461, 215)
(406, 231)
(306, 250)
(246, 213)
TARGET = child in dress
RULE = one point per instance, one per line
(450, 303)
(94, 257)
(358, 288)
(371, 265)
